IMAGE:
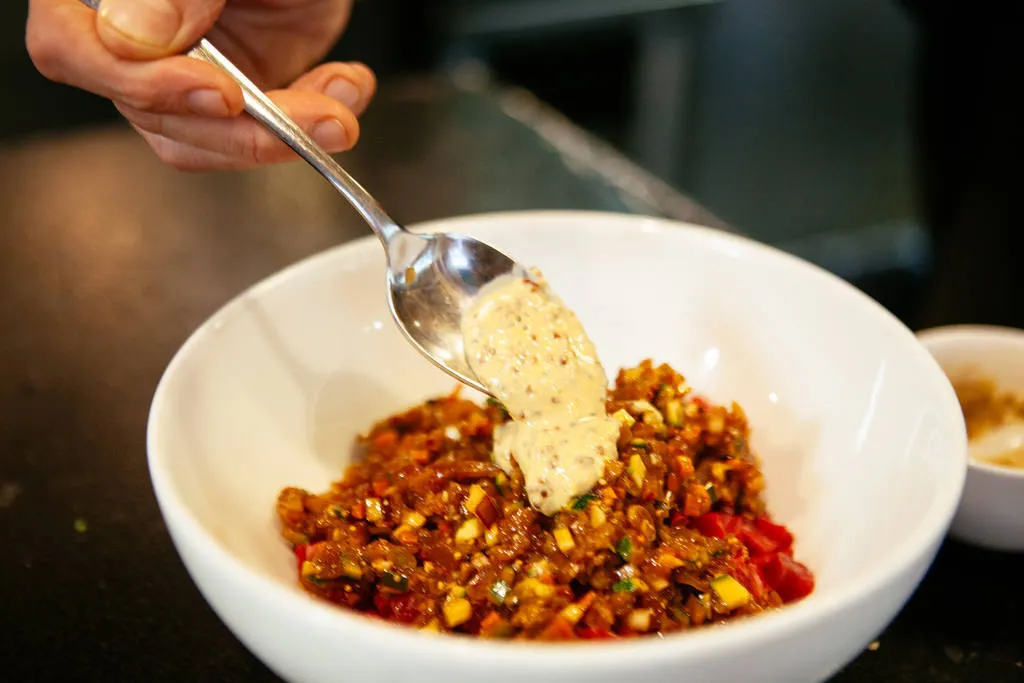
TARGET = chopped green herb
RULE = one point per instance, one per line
(583, 501)
(640, 443)
(394, 581)
(679, 614)
(491, 401)
(350, 567)
(499, 590)
(710, 488)
(624, 548)
(624, 586)
(81, 526)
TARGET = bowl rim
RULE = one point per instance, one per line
(932, 526)
(977, 333)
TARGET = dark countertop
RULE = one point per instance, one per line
(109, 262)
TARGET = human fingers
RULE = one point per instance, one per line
(185, 157)
(63, 41)
(150, 29)
(353, 84)
(243, 141)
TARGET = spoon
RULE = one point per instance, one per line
(431, 278)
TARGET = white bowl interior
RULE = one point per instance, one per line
(851, 417)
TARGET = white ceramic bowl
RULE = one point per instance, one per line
(991, 513)
(859, 429)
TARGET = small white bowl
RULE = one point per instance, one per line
(991, 512)
(860, 432)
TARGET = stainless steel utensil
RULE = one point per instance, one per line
(431, 278)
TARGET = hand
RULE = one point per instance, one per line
(190, 112)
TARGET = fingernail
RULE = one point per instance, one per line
(331, 135)
(344, 91)
(207, 102)
(150, 22)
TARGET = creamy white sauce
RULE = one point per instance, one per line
(534, 356)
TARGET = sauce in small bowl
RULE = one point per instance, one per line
(985, 365)
(994, 419)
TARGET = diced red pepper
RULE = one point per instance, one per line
(397, 607)
(300, 554)
(385, 439)
(420, 456)
(763, 538)
(560, 629)
(757, 542)
(750, 576)
(404, 609)
(344, 598)
(776, 532)
(490, 621)
(697, 501)
(787, 577)
(716, 524)
(380, 487)
(487, 511)
(588, 633)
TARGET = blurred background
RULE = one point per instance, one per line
(789, 119)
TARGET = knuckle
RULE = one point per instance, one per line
(166, 150)
(149, 124)
(175, 157)
(184, 164)
(139, 94)
(258, 147)
(45, 50)
(248, 146)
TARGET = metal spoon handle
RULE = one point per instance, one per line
(263, 109)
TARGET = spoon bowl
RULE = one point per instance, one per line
(432, 280)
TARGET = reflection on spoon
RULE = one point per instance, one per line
(1002, 445)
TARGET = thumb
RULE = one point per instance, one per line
(151, 29)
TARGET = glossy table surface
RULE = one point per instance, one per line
(110, 260)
